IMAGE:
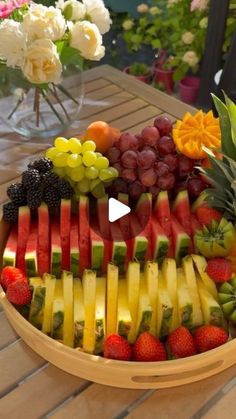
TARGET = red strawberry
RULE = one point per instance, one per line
(148, 348)
(205, 215)
(219, 269)
(116, 347)
(209, 337)
(9, 275)
(19, 293)
(180, 343)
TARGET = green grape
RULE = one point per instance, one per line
(89, 158)
(78, 173)
(108, 174)
(60, 160)
(84, 186)
(61, 144)
(74, 160)
(60, 171)
(97, 188)
(75, 145)
(91, 173)
(114, 172)
(101, 163)
(88, 146)
(51, 153)
(98, 154)
(68, 171)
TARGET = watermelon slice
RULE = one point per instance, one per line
(107, 255)
(140, 240)
(181, 240)
(181, 210)
(10, 251)
(103, 217)
(143, 208)
(162, 212)
(31, 260)
(43, 239)
(65, 220)
(23, 234)
(97, 251)
(84, 234)
(124, 221)
(74, 247)
(160, 241)
(119, 247)
(56, 252)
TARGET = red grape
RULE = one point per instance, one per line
(129, 159)
(146, 159)
(129, 175)
(166, 146)
(150, 136)
(195, 186)
(128, 141)
(166, 182)
(119, 186)
(172, 161)
(118, 167)
(161, 168)
(163, 124)
(154, 190)
(186, 166)
(135, 190)
(148, 177)
(113, 155)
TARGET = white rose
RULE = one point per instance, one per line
(12, 43)
(98, 14)
(142, 8)
(154, 10)
(187, 38)
(44, 22)
(42, 63)
(127, 24)
(86, 38)
(74, 10)
(191, 58)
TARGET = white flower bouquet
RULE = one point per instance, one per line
(41, 41)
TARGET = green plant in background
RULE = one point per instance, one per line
(139, 69)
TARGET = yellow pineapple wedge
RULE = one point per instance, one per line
(68, 295)
(212, 312)
(124, 320)
(36, 313)
(36, 281)
(78, 313)
(191, 280)
(133, 286)
(201, 264)
(164, 308)
(57, 325)
(170, 277)
(50, 284)
(185, 302)
(112, 298)
(89, 291)
(144, 317)
(100, 316)
(151, 279)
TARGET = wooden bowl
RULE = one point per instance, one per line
(139, 375)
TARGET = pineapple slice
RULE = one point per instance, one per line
(57, 325)
(185, 303)
(164, 308)
(170, 277)
(89, 290)
(50, 284)
(112, 298)
(212, 312)
(36, 281)
(100, 317)
(193, 290)
(201, 263)
(36, 313)
(144, 310)
(124, 321)
(67, 283)
(151, 279)
(133, 287)
(78, 313)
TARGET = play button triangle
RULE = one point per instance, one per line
(117, 210)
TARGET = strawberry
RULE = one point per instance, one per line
(219, 269)
(117, 347)
(205, 215)
(19, 293)
(209, 337)
(148, 348)
(9, 275)
(180, 343)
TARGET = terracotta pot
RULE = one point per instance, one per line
(189, 88)
(164, 77)
(146, 78)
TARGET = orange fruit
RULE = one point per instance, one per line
(102, 134)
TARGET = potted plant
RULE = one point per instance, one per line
(140, 71)
(163, 72)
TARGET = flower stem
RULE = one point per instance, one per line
(52, 107)
(54, 93)
(15, 108)
(66, 93)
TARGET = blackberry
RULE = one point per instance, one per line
(51, 197)
(34, 198)
(10, 212)
(65, 189)
(30, 179)
(43, 165)
(50, 179)
(16, 193)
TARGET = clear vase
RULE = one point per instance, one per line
(40, 112)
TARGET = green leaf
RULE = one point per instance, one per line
(180, 72)
(156, 44)
(69, 55)
(227, 144)
(231, 106)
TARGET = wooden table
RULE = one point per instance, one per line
(32, 388)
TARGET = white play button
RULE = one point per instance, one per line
(117, 210)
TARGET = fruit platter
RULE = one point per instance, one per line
(147, 300)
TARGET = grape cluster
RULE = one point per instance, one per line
(86, 170)
(149, 162)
